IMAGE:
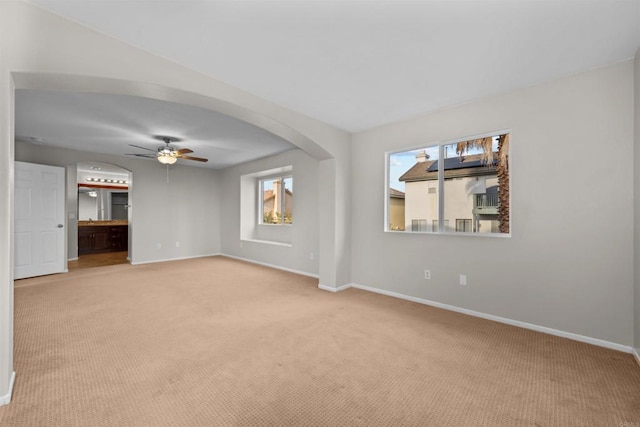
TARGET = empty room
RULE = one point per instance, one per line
(321, 213)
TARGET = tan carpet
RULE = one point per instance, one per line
(215, 341)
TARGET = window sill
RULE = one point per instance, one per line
(449, 233)
(268, 242)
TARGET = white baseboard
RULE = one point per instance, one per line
(72, 259)
(332, 289)
(268, 242)
(290, 270)
(7, 397)
(173, 259)
(277, 267)
(544, 329)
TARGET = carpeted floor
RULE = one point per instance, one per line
(219, 342)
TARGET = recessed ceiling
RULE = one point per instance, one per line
(360, 64)
(104, 123)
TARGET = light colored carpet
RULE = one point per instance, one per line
(215, 341)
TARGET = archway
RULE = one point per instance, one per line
(64, 82)
(327, 192)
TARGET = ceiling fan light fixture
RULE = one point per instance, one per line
(167, 159)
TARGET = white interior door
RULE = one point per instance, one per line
(39, 218)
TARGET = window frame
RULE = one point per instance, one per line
(441, 185)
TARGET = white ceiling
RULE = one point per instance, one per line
(358, 64)
(103, 123)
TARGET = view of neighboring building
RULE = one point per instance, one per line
(272, 203)
(470, 195)
(396, 210)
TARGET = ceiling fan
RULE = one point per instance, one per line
(168, 155)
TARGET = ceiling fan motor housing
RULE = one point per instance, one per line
(167, 155)
(167, 151)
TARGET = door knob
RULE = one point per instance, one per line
(60, 225)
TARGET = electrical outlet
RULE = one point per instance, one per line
(427, 274)
(177, 244)
(159, 245)
(463, 279)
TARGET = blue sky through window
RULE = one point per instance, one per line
(401, 162)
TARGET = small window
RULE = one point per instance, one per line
(419, 225)
(465, 182)
(276, 200)
(463, 225)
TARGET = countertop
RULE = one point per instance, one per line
(105, 222)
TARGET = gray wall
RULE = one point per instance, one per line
(87, 207)
(569, 262)
(303, 235)
(636, 199)
(187, 209)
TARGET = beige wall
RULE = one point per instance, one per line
(568, 265)
(396, 213)
(268, 205)
(458, 200)
(419, 203)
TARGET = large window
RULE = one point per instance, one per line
(276, 200)
(459, 186)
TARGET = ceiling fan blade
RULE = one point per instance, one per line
(144, 148)
(148, 156)
(183, 151)
(197, 159)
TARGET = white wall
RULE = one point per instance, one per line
(7, 102)
(185, 210)
(303, 234)
(39, 50)
(569, 264)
